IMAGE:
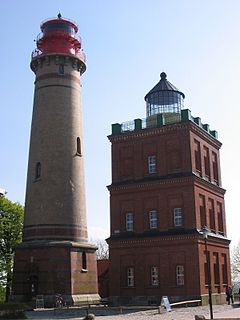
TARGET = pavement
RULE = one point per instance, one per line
(105, 313)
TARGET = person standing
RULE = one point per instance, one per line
(229, 295)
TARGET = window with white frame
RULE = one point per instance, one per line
(152, 164)
(154, 276)
(177, 217)
(129, 221)
(180, 275)
(130, 277)
(153, 219)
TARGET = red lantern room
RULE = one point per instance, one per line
(59, 35)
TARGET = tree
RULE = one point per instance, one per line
(102, 251)
(11, 224)
(235, 263)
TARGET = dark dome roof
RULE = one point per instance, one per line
(163, 85)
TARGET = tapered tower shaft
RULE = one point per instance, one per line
(55, 256)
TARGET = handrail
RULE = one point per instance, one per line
(58, 32)
(80, 54)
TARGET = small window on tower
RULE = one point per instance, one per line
(79, 151)
(84, 262)
(61, 69)
(177, 217)
(38, 171)
(152, 164)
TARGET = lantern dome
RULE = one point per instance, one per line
(164, 98)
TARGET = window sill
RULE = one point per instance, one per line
(84, 270)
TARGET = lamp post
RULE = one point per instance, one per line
(205, 231)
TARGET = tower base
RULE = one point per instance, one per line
(47, 269)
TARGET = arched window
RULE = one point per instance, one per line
(38, 171)
(79, 151)
(84, 261)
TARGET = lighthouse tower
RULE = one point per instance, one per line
(55, 256)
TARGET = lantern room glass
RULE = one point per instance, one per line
(164, 101)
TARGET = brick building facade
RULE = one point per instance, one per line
(166, 186)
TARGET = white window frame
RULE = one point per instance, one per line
(129, 221)
(153, 221)
(130, 277)
(180, 275)
(177, 212)
(152, 164)
(154, 276)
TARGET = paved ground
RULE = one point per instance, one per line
(220, 311)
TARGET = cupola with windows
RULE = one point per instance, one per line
(164, 99)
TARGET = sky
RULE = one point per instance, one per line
(128, 43)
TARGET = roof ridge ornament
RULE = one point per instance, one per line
(163, 76)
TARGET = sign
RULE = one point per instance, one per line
(166, 303)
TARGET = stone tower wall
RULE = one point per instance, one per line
(55, 200)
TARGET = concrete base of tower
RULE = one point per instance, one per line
(155, 300)
(50, 268)
(51, 301)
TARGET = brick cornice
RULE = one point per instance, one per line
(148, 132)
(167, 181)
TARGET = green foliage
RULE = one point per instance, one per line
(11, 223)
(235, 263)
(2, 294)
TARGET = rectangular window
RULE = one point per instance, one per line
(177, 217)
(206, 267)
(154, 276)
(153, 219)
(216, 268)
(129, 221)
(211, 214)
(220, 218)
(197, 154)
(215, 167)
(61, 69)
(152, 164)
(206, 162)
(224, 269)
(180, 275)
(130, 277)
(202, 210)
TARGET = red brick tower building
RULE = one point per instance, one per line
(55, 256)
(166, 186)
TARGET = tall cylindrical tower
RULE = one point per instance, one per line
(55, 226)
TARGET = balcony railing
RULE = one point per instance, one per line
(80, 54)
(159, 120)
(56, 31)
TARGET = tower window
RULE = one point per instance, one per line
(84, 261)
(215, 167)
(206, 162)
(197, 153)
(180, 275)
(153, 219)
(152, 164)
(202, 210)
(211, 212)
(154, 276)
(220, 217)
(79, 149)
(130, 277)
(38, 171)
(177, 217)
(129, 221)
(61, 69)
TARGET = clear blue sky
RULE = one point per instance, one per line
(127, 43)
